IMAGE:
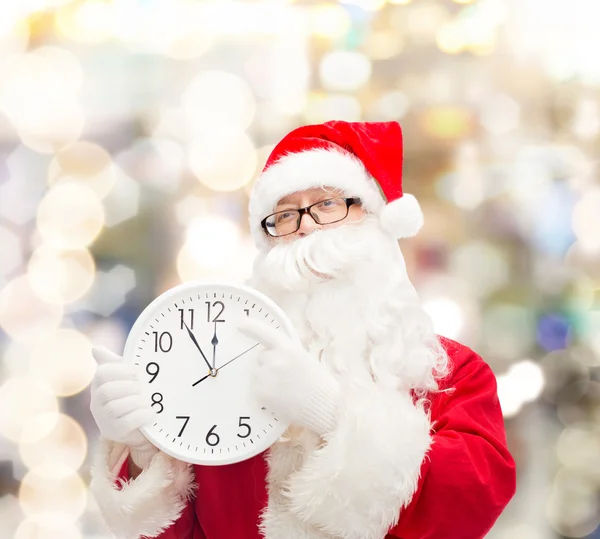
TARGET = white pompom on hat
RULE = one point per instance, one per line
(363, 159)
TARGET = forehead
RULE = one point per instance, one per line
(313, 193)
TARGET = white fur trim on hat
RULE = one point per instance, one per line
(304, 170)
(402, 217)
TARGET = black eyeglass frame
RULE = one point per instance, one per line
(301, 211)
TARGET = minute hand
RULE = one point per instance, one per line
(197, 345)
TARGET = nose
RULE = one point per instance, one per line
(307, 225)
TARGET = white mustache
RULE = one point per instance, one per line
(321, 256)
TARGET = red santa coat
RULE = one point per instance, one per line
(461, 484)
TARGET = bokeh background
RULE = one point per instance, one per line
(130, 135)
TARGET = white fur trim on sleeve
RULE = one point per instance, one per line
(356, 484)
(147, 505)
(403, 217)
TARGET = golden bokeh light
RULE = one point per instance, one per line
(65, 445)
(447, 122)
(223, 160)
(345, 70)
(70, 216)
(220, 100)
(64, 361)
(47, 528)
(58, 276)
(86, 22)
(23, 400)
(53, 491)
(84, 162)
(329, 21)
(23, 314)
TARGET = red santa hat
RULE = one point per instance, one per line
(363, 159)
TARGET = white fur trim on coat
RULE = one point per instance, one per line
(356, 484)
(304, 170)
(147, 505)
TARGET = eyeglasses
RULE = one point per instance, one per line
(324, 212)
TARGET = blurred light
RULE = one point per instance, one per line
(508, 330)
(572, 508)
(424, 19)
(586, 121)
(10, 514)
(553, 332)
(223, 160)
(14, 35)
(64, 361)
(399, 2)
(87, 22)
(189, 208)
(123, 202)
(463, 1)
(48, 527)
(392, 105)
(344, 71)
(578, 449)
(449, 38)
(367, 5)
(591, 335)
(70, 216)
(467, 186)
(589, 264)
(447, 316)
(383, 44)
(238, 270)
(12, 253)
(59, 276)
(48, 120)
(156, 162)
(23, 400)
(65, 445)
(523, 383)
(110, 290)
(329, 20)
(482, 265)
(322, 108)
(447, 122)
(23, 315)
(586, 221)
(213, 241)
(53, 490)
(500, 114)
(84, 162)
(218, 100)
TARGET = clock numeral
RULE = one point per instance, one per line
(247, 311)
(157, 399)
(191, 324)
(187, 418)
(154, 372)
(218, 316)
(246, 426)
(212, 438)
(164, 342)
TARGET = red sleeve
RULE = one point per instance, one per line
(468, 476)
(185, 527)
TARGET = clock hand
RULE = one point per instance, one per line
(197, 345)
(214, 342)
(254, 346)
(201, 379)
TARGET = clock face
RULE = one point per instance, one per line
(194, 366)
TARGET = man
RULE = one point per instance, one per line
(395, 433)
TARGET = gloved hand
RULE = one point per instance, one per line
(118, 407)
(290, 382)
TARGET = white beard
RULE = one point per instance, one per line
(347, 292)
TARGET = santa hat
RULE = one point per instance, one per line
(363, 159)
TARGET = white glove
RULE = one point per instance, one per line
(290, 382)
(118, 407)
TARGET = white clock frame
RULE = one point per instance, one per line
(227, 388)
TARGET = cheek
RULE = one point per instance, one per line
(356, 213)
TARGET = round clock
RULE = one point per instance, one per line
(194, 367)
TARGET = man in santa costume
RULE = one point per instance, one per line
(395, 432)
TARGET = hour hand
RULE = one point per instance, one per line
(197, 345)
